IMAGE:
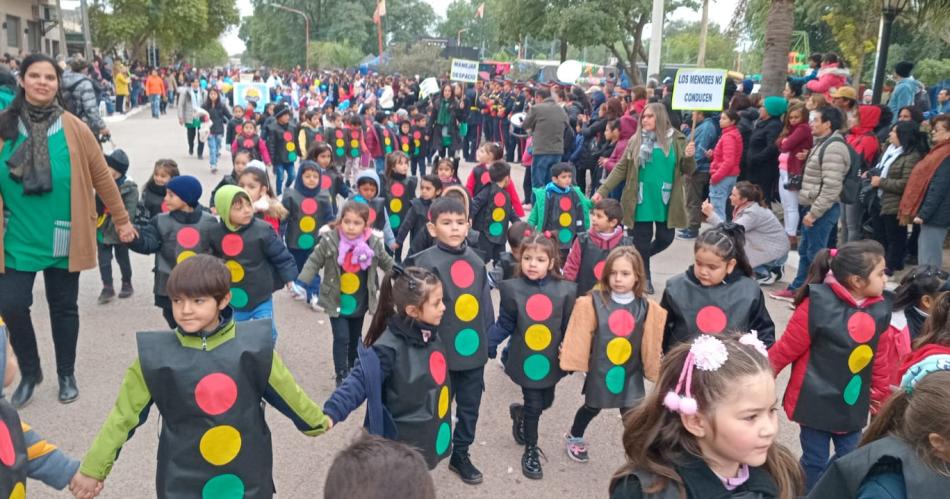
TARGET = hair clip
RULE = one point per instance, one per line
(398, 270)
(833, 252)
(548, 234)
(921, 369)
(752, 340)
(706, 354)
(528, 232)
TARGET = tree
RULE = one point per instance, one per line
(332, 55)
(212, 54)
(681, 45)
(778, 36)
(423, 60)
(408, 20)
(853, 24)
(478, 32)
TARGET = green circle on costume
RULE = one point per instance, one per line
(394, 220)
(466, 342)
(615, 379)
(853, 390)
(347, 304)
(98, 236)
(443, 438)
(239, 298)
(495, 229)
(292, 156)
(355, 153)
(339, 151)
(537, 367)
(223, 487)
(305, 241)
(565, 235)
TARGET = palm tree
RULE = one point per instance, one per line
(778, 37)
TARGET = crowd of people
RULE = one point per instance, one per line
(338, 172)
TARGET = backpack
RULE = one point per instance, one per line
(922, 100)
(569, 137)
(851, 185)
(73, 100)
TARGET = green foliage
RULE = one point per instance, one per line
(408, 20)
(211, 55)
(418, 59)
(460, 15)
(332, 55)
(681, 46)
(931, 71)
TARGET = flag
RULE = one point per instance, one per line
(379, 12)
(480, 11)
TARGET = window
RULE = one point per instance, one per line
(13, 31)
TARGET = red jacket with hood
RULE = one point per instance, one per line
(797, 140)
(628, 127)
(861, 136)
(830, 77)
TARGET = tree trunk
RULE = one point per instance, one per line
(778, 36)
(703, 32)
(563, 49)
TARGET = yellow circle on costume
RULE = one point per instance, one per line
(291, 146)
(466, 307)
(307, 224)
(564, 219)
(395, 205)
(349, 283)
(237, 271)
(859, 358)
(354, 143)
(537, 337)
(101, 220)
(220, 445)
(184, 255)
(443, 401)
(339, 143)
(18, 492)
(498, 214)
(619, 350)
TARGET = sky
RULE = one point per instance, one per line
(720, 12)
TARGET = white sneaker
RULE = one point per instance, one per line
(314, 305)
(298, 292)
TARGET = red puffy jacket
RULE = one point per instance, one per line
(726, 155)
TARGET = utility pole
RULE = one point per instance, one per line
(656, 40)
(62, 28)
(87, 37)
(703, 30)
(306, 29)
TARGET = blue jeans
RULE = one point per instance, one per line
(134, 97)
(110, 105)
(380, 164)
(280, 169)
(214, 147)
(541, 169)
(156, 100)
(719, 193)
(263, 311)
(300, 258)
(815, 451)
(814, 239)
(765, 268)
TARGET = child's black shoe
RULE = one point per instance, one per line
(107, 294)
(126, 290)
(461, 464)
(517, 422)
(531, 462)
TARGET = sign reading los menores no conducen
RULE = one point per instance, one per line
(464, 70)
(699, 89)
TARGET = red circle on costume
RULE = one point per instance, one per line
(538, 307)
(188, 237)
(355, 134)
(861, 327)
(350, 267)
(372, 216)
(397, 189)
(326, 182)
(500, 199)
(288, 136)
(248, 143)
(486, 178)
(164, 207)
(437, 367)
(216, 393)
(621, 322)
(462, 274)
(565, 203)
(319, 138)
(404, 139)
(416, 135)
(308, 206)
(7, 454)
(599, 269)
(232, 245)
(338, 134)
(711, 319)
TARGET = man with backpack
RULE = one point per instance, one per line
(79, 94)
(827, 181)
(906, 90)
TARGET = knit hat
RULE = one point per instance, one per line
(747, 86)
(118, 161)
(775, 106)
(186, 187)
(281, 110)
(903, 68)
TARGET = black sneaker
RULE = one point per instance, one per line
(517, 422)
(107, 294)
(531, 462)
(126, 290)
(461, 464)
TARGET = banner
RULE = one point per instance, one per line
(257, 92)
(699, 89)
(464, 70)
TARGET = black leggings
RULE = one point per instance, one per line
(585, 414)
(649, 243)
(62, 295)
(347, 332)
(893, 236)
(192, 137)
(536, 400)
(105, 262)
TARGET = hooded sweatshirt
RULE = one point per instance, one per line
(861, 136)
(388, 237)
(830, 77)
(628, 127)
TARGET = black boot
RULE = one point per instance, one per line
(461, 464)
(68, 392)
(24, 392)
(531, 462)
(126, 290)
(517, 422)
(107, 294)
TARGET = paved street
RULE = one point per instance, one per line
(107, 347)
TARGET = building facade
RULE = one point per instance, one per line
(30, 26)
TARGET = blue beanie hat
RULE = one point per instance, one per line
(186, 187)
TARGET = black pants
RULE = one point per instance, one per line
(347, 332)
(470, 141)
(418, 164)
(164, 303)
(192, 137)
(649, 243)
(120, 104)
(62, 294)
(528, 196)
(468, 386)
(105, 262)
(893, 237)
(536, 400)
(584, 415)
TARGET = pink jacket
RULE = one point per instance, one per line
(726, 155)
(830, 77)
(628, 127)
(573, 264)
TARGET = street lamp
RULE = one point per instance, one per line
(890, 9)
(306, 27)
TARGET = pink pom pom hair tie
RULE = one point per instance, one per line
(707, 354)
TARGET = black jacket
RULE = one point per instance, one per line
(760, 155)
(935, 209)
(701, 483)
(220, 116)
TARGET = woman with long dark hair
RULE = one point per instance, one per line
(219, 115)
(52, 165)
(444, 122)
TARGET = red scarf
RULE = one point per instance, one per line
(919, 180)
